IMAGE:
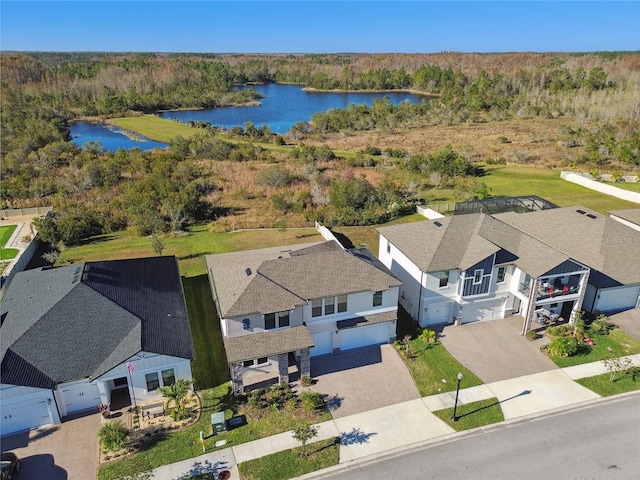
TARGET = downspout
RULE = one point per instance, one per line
(420, 296)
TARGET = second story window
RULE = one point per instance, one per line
(502, 272)
(316, 307)
(444, 279)
(270, 321)
(477, 276)
(377, 298)
(276, 320)
(329, 305)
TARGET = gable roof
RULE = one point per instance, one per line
(278, 279)
(631, 215)
(535, 241)
(66, 323)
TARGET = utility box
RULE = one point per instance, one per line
(218, 425)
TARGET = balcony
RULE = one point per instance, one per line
(552, 292)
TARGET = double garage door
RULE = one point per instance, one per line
(77, 397)
(483, 311)
(24, 416)
(350, 338)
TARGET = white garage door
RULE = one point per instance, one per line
(82, 396)
(483, 311)
(364, 336)
(24, 416)
(616, 299)
(323, 342)
(437, 313)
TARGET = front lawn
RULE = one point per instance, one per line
(289, 463)
(430, 364)
(472, 415)
(5, 233)
(603, 386)
(259, 421)
(616, 344)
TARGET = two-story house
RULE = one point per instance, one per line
(540, 264)
(301, 300)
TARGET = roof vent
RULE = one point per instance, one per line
(591, 215)
(248, 272)
(581, 212)
(437, 224)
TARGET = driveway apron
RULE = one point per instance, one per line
(67, 451)
(362, 379)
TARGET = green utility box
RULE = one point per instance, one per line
(218, 425)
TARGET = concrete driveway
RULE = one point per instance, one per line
(494, 350)
(67, 451)
(362, 379)
(628, 321)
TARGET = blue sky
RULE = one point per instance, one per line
(320, 27)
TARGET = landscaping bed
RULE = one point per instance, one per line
(593, 341)
(262, 414)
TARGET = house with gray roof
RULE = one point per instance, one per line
(76, 336)
(299, 301)
(543, 265)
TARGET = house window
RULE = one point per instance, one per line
(283, 319)
(388, 247)
(270, 321)
(152, 381)
(255, 361)
(316, 307)
(377, 298)
(120, 382)
(444, 279)
(502, 271)
(342, 303)
(248, 363)
(168, 377)
(329, 305)
(262, 360)
(477, 276)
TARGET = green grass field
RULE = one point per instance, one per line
(154, 128)
(622, 383)
(472, 415)
(5, 233)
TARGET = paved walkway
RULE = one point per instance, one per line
(367, 434)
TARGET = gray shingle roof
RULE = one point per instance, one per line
(364, 320)
(538, 241)
(266, 344)
(275, 280)
(630, 215)
(82, 320)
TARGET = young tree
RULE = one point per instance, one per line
(176, 394)
(303, 434)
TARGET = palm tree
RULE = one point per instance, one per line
(176, 393)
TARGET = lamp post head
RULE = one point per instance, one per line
(460, 376)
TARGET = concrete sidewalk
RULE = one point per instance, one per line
(390, 428)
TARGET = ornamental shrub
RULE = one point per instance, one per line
(311, 401)
(113, 435)
(563, 347)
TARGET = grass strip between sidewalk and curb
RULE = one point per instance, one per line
(289, 463)
(473, 415)
(603, 385)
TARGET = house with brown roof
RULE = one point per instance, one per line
(298, 302)
(543, 265)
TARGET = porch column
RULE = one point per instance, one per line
(577, 307)
(531, 308)
(283, 367)
(237, 371)
(305, 363)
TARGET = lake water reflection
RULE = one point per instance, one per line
(282, 107)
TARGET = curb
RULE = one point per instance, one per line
(450, 437)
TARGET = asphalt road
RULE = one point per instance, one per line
(601, 442)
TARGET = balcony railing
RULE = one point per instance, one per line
(552, 292)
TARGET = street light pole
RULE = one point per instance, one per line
(455, 405)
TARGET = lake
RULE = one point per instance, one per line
(282, 107)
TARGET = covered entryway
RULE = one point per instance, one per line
(25, 416)
(437, 313)
(323, 343)
(364, 336)
(76, 397)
